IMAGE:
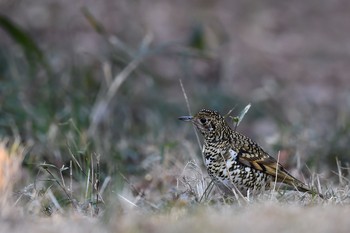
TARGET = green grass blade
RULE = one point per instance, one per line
(32, 51)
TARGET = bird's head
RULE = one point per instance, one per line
(210, 123)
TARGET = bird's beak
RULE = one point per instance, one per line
(186, 118)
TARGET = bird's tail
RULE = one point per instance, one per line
(300, 186)
(284, 177)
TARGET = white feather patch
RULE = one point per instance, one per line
(233, 154)
(207, 161)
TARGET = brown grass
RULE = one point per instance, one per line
(11, 156)
(281, 211)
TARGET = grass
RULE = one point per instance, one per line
(96, 146)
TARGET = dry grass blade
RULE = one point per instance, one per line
(190, 113)
(127, 200)
(104, 98)
(101, 106)
(275, 182)
(104, 184)
(88, 181)
(55, 179)
(207, 191)
(340, 173)
(54, 201)
(243, 112)
(239, 118)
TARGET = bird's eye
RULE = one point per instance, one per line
(203, 120)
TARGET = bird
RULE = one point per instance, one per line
(237, 163)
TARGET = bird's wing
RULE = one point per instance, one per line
(261, 161)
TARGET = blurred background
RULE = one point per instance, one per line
(99, 81)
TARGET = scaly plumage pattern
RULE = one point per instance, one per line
(234, 161)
